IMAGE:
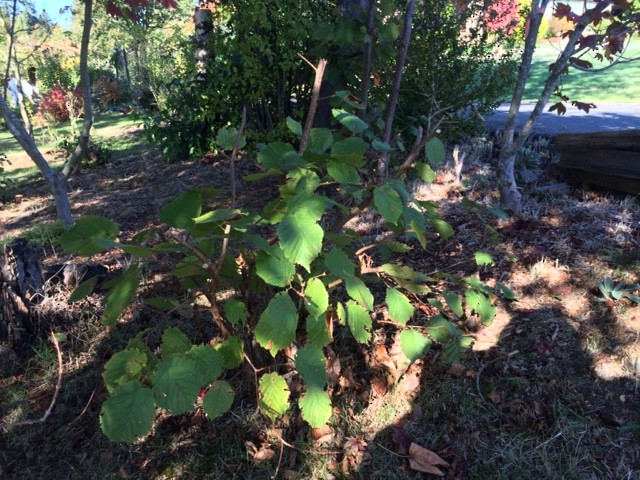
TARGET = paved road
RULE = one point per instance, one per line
(607, 116)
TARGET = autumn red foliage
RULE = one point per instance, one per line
(501, 15)
(54, 105)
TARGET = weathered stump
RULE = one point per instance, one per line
(21, 285)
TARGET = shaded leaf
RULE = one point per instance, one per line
(312, 365)
(274, 267)
(350, 151)
(414, 344)
(339, 263)
(82, 290)
(424, 460)
(120, 296)
(180, 212)
(454, 303)
(218, 399)
(277, 325)
(231, 351)
(208, 363)
(294, 126)
(122, 367)
(174, 341)
(316, 298)
(435, 151)
(388, 203)
(81, 238)
(235, 311)
(128, 413)
(176, 383)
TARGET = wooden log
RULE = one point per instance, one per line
(607, 162)
(617, 140)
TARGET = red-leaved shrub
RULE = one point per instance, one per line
(54, 106)
(501, 15)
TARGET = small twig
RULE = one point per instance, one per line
(391, 451)
(481, 369)
(275, 474)
(84, 410)
(55, 393)
(322, 64)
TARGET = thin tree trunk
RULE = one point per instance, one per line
(57, 183)
(26, 119)
(383, 161)
(368, 55)
(510, 196)
(10, 35)
(80, 151)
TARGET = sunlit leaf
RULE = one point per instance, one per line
(277, 325)
(122, 367)
(483, 259)
(359, 291)
(398, 306)
(312, 365)
(208, 362)
(274, 395)
(454, 303)
(350, 121)
(414, 344)
(359, 322)
(316, 297)
(274, 267)
(315, 406)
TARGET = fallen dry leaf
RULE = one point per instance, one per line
(456, 369)
(494, 397)
(355, 444)
(290, 474)
(261, 453)
(424, 460)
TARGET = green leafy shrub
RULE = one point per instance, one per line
(305, 278)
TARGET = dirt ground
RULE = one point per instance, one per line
(549, 389)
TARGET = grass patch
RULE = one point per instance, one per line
(616, 84)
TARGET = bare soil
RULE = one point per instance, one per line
(549, 389)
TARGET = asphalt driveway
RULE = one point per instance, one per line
(607, 116)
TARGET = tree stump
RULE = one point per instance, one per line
(21, 287)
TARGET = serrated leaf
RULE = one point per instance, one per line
(274, 267)
(350, 151)
(454, 303)
(294, 126)
(81, 238)
(403, 272)
(435, 151)
(425, 172)
(380, 146)
(274, 395)
(398, 306)
(123, 367)
(218, 399)
(418, 231)
(163, 303)
(414, 344)
(318, 333)
(359, 322)
(397, 247)
(208, 362)
(304, 182)
(176, 383)
(180, 212)
(217, 215)
(481, 304)
(128, 413)
(320, 140)
(231, 351)
(346, 97)
(316, 298)
(300, 238)
(442, 227)
(174, 341)
(226, 138)
(440, 329)
(343, 173)
(315, 406)
(312, 365)
(359, 291)
(483, 258)
(339, 263)
(277, 325)
(506, 291)
(235, 311)
(279, 155)
(350, 121)
(120, 296)
(82, 290)
(387, 201)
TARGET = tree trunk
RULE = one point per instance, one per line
(203, 20)
(368, 58)
(80, 151)
(10, 38)
(57, 183)
(21, 283)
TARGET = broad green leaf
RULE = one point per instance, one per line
(454, 303)
(506, 291)
(403, 272)
(176, 383)
(82, 290)
(312, 365)
(217, 215)
(208, 362)
(435, 151)
(316, 298)
(397, 247)
(341, 314)
(128, 413)
(390, 30)
(123, 367)
(343, 173)
(453, 350)
(425, 172)
(359, 291)
(120, 296)
(106, 244)
(294, 126)
(308, 205)
(235, 311)
(418, 231)
(218, 399)
(320, 140)
(274, 268)
(339, 263)
(279, 155)
(300, 238)
(346, 97)
(481, 304)
(380, 146)
(304, 182)
(277, 325)
(442, 227)
(315, 406)
(180, 212)
(274, 395)
(226, 138)
(174, 341)
(350, 121)
(483, 258)
(474, 282)
(398, 306)
(163, 303)
(254, 177)
(81, 238)
(441, 329)
(388, 203)
(350, 151)
(318, 333)
(359, 322)
(231, 351)
(414, 344)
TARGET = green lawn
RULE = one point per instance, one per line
(616, 84)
